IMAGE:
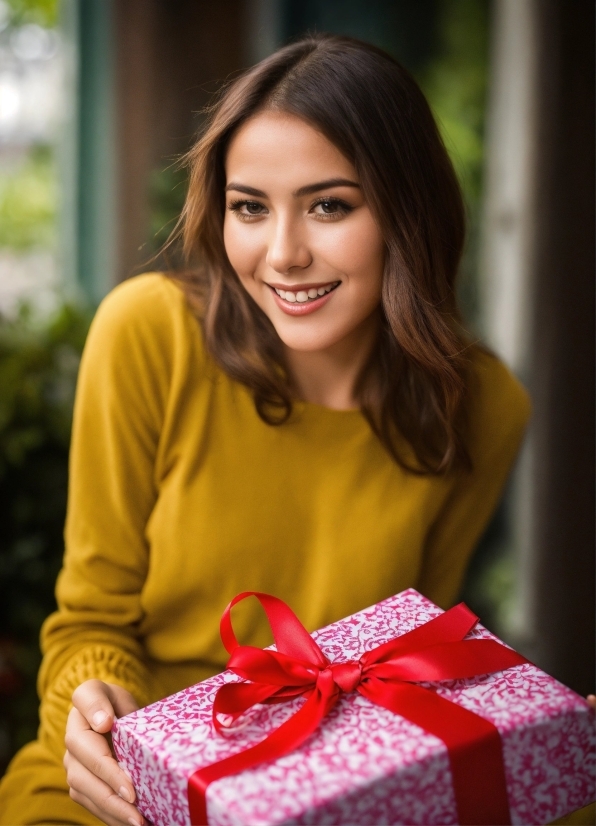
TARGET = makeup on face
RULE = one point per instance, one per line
(299, 233)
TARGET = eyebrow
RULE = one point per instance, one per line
(309, 189)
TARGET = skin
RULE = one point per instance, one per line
(93, 775)
(296, 234)
(290, 238)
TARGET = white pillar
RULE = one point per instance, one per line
(507, 254)
(508, 231)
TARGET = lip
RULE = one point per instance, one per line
(295, 288)
(308, 306)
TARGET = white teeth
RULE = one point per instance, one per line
(302, 295)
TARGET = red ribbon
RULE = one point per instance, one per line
(432, 652)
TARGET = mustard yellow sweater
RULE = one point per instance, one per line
(180, 497)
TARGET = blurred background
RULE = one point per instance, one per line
(98, 98)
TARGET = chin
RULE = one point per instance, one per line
(304, 341)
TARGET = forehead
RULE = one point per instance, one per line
(280, 148)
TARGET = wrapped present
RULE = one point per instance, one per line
(400, 713)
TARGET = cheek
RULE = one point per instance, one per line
(241, 248)
(360, 253)
(231, 243)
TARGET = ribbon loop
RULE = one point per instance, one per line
(289, 634)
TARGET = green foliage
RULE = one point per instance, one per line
(38, 366)
(42, 12)
(38, 369)
(28, 196)
(455, 82)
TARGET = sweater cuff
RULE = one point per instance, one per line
(97, 662)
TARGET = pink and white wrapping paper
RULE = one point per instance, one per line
(365, 765)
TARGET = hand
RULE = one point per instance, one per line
(591, 698)
(96, 780)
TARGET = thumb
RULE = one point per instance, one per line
(122, 700)
(92, 699)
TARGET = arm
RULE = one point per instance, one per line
(499, 411)
(122, 395)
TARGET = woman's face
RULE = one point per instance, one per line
(300, 235)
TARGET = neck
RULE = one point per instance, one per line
(329, 377)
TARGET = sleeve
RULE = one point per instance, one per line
(499, 412)
(122, 393)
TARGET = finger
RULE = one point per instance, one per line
(89, 805)
(135, 819)
(98, 797)
(92, 751)
(591, 698)
(92, 700)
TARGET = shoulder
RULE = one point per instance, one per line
(148, 312)
(143, 340)
(148, 300)
(498, 407)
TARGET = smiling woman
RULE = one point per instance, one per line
(318, 110)
(300, 413)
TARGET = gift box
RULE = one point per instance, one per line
(365, 763)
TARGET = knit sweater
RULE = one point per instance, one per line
(181, 496)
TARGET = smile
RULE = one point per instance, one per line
(303, 296)
(304, 299)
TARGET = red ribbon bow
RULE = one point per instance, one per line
(432, 652)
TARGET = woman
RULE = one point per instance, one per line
(325, 432)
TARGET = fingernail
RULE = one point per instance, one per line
(99, 717)
(134, 822)
(125, 794)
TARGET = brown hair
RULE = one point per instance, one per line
(371, 108)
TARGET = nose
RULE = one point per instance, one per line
(287, 247)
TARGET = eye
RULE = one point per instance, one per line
(331, 208)
(245, 210)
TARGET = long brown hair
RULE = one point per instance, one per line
(370, 107)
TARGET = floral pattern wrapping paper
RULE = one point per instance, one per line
(364, 765)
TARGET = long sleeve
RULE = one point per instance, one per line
(119, 411)
(499, 412)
